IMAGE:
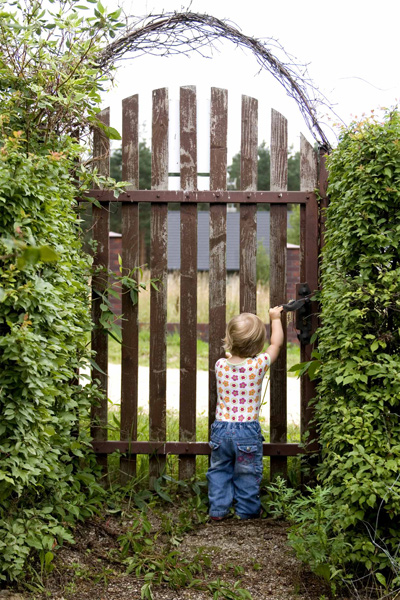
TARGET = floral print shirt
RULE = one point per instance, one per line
(239, 388)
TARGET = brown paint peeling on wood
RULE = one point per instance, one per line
(279, 152)
(278, 279)
(194, 197)
(130, 259)
(249, 143)
(158, 265)
(308, 166)
(217, 272)
(248, 213)
(130, 141)
(159, 155)
(188, 296)
(309, 268)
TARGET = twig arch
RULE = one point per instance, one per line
(181, 32)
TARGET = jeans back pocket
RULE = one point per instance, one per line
(247, 453)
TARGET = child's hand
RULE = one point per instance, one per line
(275, 313)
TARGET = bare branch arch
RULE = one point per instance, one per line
(177, 33)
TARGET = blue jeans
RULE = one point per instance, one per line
(236, 469)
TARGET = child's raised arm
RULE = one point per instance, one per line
(276, 333)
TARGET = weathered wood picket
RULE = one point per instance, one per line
(218, 198)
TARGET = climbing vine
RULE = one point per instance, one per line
(357, 407)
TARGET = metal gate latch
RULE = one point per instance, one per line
(303, 314)
(302, 307)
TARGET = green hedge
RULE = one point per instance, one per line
(49, 98)
(358, 403)
(46, 478)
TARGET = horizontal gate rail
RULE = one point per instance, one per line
(188, 448)
(183, 196)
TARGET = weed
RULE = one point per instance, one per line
(278, 499)
(149, 547)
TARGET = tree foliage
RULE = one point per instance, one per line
(49, 100)
(144, 184)
(357, 406)
(263, 170)
(144, 165)
(263, 183)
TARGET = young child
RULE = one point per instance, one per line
(236, 459)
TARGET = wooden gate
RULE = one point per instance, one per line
(159, 197)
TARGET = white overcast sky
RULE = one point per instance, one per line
(351, 48)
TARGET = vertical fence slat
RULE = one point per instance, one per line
(158, 264)
(188, 313)
(278, 279)
(101, 153)
(217, 269)
(248, 212)
(308, 266)
(130, 259)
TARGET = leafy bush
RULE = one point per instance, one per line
(46, 477)
(48, 96)
(358, 399)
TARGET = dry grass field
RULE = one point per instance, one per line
(173, 310)
(173, 298)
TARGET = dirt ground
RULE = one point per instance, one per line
(254, 552)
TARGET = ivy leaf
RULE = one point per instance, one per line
(381, 578)
(47, 254)
(96, 366)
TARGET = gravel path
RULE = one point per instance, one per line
(293, 386)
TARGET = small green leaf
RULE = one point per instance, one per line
(387, 171)
(381, 578)
(374, 346)
(47, 254)
(96, 366)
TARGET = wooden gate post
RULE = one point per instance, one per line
(278, 278)
(158, 298)
(188, 321)
(248, 212)
(130, 259)
(217, 272)
(309, 250)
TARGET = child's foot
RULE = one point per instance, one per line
(228, 516)
(257, 516)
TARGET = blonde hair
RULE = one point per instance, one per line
(245, 335)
